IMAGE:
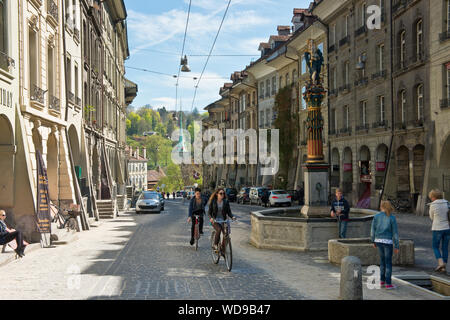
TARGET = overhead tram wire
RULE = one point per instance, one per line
(200, 55)
(172, 75)
(182, 53)
(210, 53)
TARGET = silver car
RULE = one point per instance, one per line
(279, 197)
(148, 201)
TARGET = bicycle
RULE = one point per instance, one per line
(400, 205)
(224, 248)
(196, 231)
(68, 220)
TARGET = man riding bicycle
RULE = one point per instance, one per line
(196, 207)
(219, 208)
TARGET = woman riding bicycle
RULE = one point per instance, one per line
(196, 207)
(219, 208)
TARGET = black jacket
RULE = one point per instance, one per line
(212, 211)
(346, 208)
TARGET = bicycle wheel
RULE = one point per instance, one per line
(228, 254)
(71, 224)
(215, 255)
(196, 236)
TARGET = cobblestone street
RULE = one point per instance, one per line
(149, 257)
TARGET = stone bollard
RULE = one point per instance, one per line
(351, 279)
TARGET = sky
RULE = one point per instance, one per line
(155, 38)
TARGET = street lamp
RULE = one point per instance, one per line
(184, 64)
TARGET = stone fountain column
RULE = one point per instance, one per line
(316, 170)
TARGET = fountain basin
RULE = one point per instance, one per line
(288, 229)
(364, 250)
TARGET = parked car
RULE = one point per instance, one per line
(231, 194)
(294, 194)
(279, 197)
(180, 194)
(255, 195)
(243, 196)
(190, 195)
(149, 201)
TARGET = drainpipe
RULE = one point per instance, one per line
(392, 106)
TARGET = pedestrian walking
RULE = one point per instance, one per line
(301, 195)
(196, 207)
(8, 235)
(439, 214)
(384, 235)
(340, 209)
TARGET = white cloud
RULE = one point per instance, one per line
(149, 30)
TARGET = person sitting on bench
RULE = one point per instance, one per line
(7, 235)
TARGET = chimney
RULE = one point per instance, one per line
(284, 30)
(144, 153)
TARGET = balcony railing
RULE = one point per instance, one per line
(362, 82)
(418, 123)
(6, 62)
(380, 124)
(379, 74)
(333, 92)
(345, 131)
(445, 103)
(52, 10)
(54, 104)
(344, 41)
(71, 98)
(331, 48)
(418, 57)
(344, 88)
(400, 125)
(444, 36)
(360, 31)
(37, 94)
(363, 127)
(401, 65)
(69, 22)
(76, 33)
(401, 4)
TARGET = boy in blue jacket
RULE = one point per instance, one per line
(340, 209)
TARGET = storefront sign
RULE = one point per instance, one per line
(347, 167)
(43, 204)
(381, 166)
(366, 178)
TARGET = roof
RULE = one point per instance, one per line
(283, 28)
(279, 38)
(264, 45)
(155, 175)
(135, 157)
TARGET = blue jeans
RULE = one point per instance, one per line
(440, 241)
(342, 229)
(385, 251)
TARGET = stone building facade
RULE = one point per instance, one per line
(44, 104)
